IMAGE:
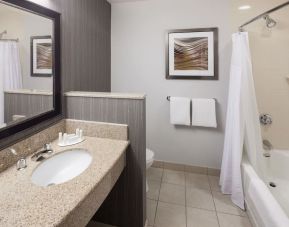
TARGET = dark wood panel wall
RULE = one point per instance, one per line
(28, 105)
(85, 41)
(127, 206)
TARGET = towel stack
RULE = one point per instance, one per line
(203, 112)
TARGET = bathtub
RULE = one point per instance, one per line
(267, 206)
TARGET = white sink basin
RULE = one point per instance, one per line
(61, 167)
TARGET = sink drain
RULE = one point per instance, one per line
(51, 184)
(272, 184)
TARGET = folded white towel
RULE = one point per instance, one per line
(204, 113)
(180, 111)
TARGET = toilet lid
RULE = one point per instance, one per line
(149, 154)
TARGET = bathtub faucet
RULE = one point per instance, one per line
(267, 147)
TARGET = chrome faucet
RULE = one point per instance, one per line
(21, 163)
(267, 147)
(43, 153)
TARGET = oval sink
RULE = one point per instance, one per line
(61, 167)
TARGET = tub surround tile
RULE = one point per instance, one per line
(98, 129)
(69, 204)
(111, 95)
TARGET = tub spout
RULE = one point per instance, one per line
(267, 147)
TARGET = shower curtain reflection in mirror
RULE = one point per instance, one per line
(10, 72)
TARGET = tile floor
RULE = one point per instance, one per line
(181, 199)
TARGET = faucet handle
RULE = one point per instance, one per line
(21, 164)
(47, 146)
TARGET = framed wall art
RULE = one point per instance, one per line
(192, 54)
(41, 56)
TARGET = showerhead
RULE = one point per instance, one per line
(270, 23)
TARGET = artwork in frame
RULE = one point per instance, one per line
(192, 54)
(41, 56)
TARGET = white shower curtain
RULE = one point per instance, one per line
(10, 71)
(242, 125)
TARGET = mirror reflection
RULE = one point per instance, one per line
(26, 65)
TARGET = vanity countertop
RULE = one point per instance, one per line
(112, 95)
(69, 204)
(29, 92)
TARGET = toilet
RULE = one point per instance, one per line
(149, 161)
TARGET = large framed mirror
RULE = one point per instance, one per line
(30, 83)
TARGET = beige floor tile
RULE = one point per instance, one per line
(174, 177)
(197, 181)
(172, 193)
(154, 189)
(151, 211)
(170, 215)
(201, 218)
(227, 220)
(224, 204)
(214, 183)
(155, 174)
(199, 198)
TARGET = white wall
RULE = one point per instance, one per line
(22, 25)
(138, 65)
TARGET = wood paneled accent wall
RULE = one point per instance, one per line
(28, 105)
(126, 207)
(85, 44)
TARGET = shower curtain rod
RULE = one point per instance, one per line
(263, 14)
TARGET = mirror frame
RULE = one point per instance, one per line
(57, 111)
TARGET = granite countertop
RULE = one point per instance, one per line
(29, 92)
(26, 204)
(112, 95)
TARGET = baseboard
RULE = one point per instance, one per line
(186, 168)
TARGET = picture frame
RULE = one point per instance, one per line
(41, 55)
(192, 54)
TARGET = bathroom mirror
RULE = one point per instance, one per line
(29, 65)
